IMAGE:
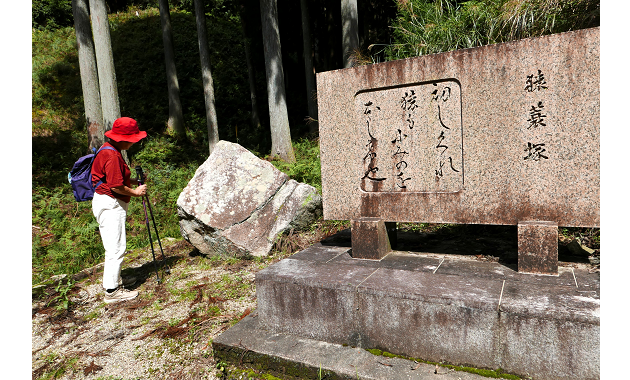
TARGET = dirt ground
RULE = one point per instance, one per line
(166, 333)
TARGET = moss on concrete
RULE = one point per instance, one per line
(269, 365)
(494, 374)
(237, 373)
(262, 365)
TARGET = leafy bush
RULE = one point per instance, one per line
(56, 91)
(52, 14)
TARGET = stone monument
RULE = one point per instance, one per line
(500, 134)
(506, 134)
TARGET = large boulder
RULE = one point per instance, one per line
(238, 204)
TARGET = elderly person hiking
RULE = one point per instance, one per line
(112, 180)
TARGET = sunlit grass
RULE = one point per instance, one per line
(427, 27)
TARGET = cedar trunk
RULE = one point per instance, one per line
(278, 116)
(255, 119)
(105, 63)
(350, 30)
(175, 115)
(208, 87)
(311, 93)
(89, 74)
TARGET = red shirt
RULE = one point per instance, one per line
(110, 167)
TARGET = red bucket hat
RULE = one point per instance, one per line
(126, 129)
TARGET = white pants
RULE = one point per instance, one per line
(111, 214)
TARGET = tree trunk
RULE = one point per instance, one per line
(278, 116)
(350, 30)
(255, 119)
(208, 87)
(89, 74)
(105, 63)
(311, 93)
(175, 116)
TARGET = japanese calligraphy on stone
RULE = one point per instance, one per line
(536, 146)
(412, 138)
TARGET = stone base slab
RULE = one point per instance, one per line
(247, 344)
(441, 309)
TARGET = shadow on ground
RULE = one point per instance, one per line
(492, 243)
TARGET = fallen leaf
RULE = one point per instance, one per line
(245, 314)
(91, 368)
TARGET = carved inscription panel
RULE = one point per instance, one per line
(412, 137)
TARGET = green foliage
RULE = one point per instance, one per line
(427, 27)
(588, 236)
(52, 14)
(61, 300)
(221, 368)
(139, 60)
(221, 8)
(55, 366)
(307, 165)
(231, 287)
(70, 240)
(226, 371)
(530, 18)
(56, 91)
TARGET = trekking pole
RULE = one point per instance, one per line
(166, 269)
(146, 219)
(141, 173)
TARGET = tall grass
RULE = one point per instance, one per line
(307, 165)
(427, 27)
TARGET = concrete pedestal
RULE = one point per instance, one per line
(442, 309)
(538, 247)
(370, 238)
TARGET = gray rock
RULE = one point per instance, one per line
(237, 204)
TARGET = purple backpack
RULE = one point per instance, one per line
(80, 177)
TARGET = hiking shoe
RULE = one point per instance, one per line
(120, 294)
(129, 281)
